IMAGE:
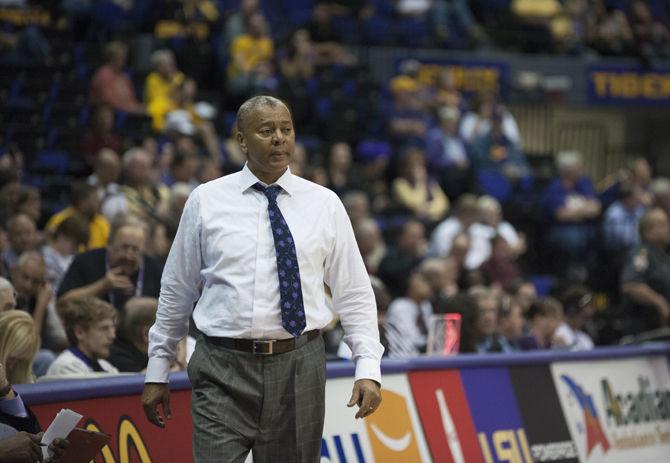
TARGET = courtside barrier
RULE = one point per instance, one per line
(610, 405)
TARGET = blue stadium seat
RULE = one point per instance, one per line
(109, 16)
(378, 30)
(494, 184)
(543, 284)
(323, 107)
(53, 160)
(412, 32)
(383, 7)
(347, 29)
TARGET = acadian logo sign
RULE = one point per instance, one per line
(617, 411)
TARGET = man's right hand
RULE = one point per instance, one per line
(116, 280)
(20, 448)
(153, 395)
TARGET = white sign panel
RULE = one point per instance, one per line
(618, 411)
(392, 434)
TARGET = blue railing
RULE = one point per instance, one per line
(113, 386)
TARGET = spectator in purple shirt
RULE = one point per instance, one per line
(571, 204)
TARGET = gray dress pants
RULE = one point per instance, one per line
(271, 404)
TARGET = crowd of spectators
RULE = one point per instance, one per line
(432, 179)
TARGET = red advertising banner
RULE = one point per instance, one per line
(134, 439)
(445, 416)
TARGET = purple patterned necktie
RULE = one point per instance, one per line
(290, 291)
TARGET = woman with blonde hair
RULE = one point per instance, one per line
(19, 344)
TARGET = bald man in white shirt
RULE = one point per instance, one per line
(261, 243)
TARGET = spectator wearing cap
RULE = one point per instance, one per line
(645, 278)
(447, 154)
(90, 324)
(407, 120)
(578, 309)
(85, 204)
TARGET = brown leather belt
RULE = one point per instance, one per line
(264, 346)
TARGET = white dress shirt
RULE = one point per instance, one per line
(224, 243)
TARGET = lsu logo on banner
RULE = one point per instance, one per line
(390, 431)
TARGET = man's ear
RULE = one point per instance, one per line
(79, 332)
(145, 333)
(241, 141)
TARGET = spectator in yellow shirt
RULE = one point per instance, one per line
(251, 56)
(416, 192)
(160, 85)
(85, 203)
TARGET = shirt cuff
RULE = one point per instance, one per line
(368, 369)
(158, 370)
(14, 407)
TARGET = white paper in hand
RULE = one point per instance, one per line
(60, 427)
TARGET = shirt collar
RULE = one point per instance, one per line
(248, 179)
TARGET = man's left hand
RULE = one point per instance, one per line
(57, 448)
(367, 395)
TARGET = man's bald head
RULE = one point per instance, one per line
(249, 108)
(21, 231)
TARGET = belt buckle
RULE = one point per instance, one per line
(263, 347)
